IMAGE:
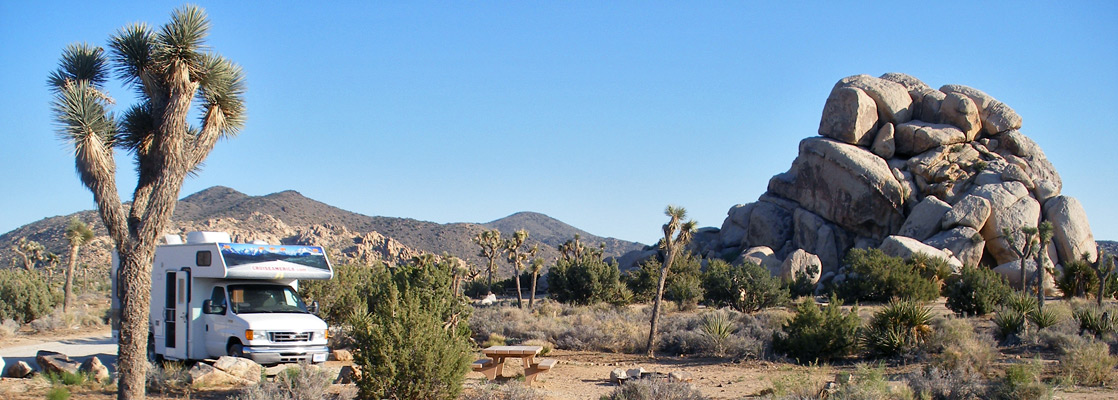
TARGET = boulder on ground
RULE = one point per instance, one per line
(762, 256)
(635, 373)
(489, 299)
(94, 368)
(202, 374)
(1071, 231)
(801, 262)
(240, 367)
(342, 355)
(905, 247)
(18, 369)
(680, 376)
(618, 376)
(55, 363)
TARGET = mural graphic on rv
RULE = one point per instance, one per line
(236, 254)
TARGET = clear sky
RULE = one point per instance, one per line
(596, 113)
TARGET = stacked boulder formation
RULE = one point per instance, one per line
(908, 169)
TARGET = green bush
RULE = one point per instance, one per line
(414, 343)
(747, 288)
(476, 289)
(586, 281)
(815, 335)
(24, 296)
(976, 291)
(682, 284)
(1021, 382)
(341, 296)
(874, 276)
(58, 393)
(1078, 279)
(899, 327)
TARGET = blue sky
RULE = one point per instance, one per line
(596, 113)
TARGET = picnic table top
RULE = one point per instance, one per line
(512, 350)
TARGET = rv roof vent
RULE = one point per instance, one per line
(172, 239)
(260, 242)
(208, 237)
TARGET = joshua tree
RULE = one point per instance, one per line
(169, 67)
(1104, 267)
(30, 251)
(517, 256)
(1025, 252)
(536, 266)
(491, 247)
(78, 234)
(676, 235)
(1044, 235)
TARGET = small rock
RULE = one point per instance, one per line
(635, 373)
(54, 362)
(18, 370)
(203, 374)
(240, 367)
(94, 368)
(618, 376)
(490, 299)
(342, 355)
(680, 376)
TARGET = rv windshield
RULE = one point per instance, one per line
(248, 299)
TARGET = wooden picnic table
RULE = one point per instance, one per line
(493, 367)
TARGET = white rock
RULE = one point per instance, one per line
(1071, 231)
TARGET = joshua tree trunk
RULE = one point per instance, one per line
(532, 299)
(671, 244)
(650, 350)
(67, 289)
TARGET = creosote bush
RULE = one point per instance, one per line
(746, 288)
(24, 295)
(414, 342)
(341, 296)
(683, 284)
(976, 291)
(875, 276)
(586, 280)
(815, 335)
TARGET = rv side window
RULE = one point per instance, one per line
(218, 299)
(203, 258)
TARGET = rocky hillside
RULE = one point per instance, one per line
(906, 168)
(291, 218)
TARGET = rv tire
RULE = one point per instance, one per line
(237, 350)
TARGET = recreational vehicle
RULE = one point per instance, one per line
(211, 297)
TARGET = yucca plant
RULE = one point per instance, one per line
(1008, 321)
(1096, 320)
(1045, 317)
(717, 328)
(900, 326)
(1021, 303)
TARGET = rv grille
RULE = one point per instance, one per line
(289, 336)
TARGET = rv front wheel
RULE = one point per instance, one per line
(237, 350)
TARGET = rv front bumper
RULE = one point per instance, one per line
(284, 355)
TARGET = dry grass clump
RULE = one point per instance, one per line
(8, 328)
(654, 389)
(721, 333)
(1088, 363)
(302, 382)
(170, 378)
(510, 391)
(955, 347)
(76, 318)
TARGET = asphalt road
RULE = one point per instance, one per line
(79, 349)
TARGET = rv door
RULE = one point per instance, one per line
(176, 314)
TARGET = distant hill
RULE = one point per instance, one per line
(1110, 246)
(291, 218)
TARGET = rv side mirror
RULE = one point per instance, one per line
(313, 308)
(208, 307)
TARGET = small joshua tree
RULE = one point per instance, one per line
(1044, 235)
(1025, 251)
(492, 247)
(676, 235)
(1104, 267)
(517, 256)
(536, 267)
(78, 234)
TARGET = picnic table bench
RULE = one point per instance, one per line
(493, 366)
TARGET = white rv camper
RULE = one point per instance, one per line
(211, 297)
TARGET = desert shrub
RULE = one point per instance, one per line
(302, 382)
(683, 275)
(957, 348)
(1096, 321)
(170, 378)
(8, 328)
(585, 281)
(976, 291)
(874, 276)
(898, 328)
(1042, 318)
(510, 391)
(599, 327)
(1078, 279)
(341, 296)
(24, 295)
(802, 285)
(869, 383)
(476, 289)
(414, 342)
(747, 288)
(1022, 303)
(722, 333)
(936, 383)
(1088, 363)
(58, 393)
(819, 335)
(1021, 382)
(654, 389)
(1007, 322)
